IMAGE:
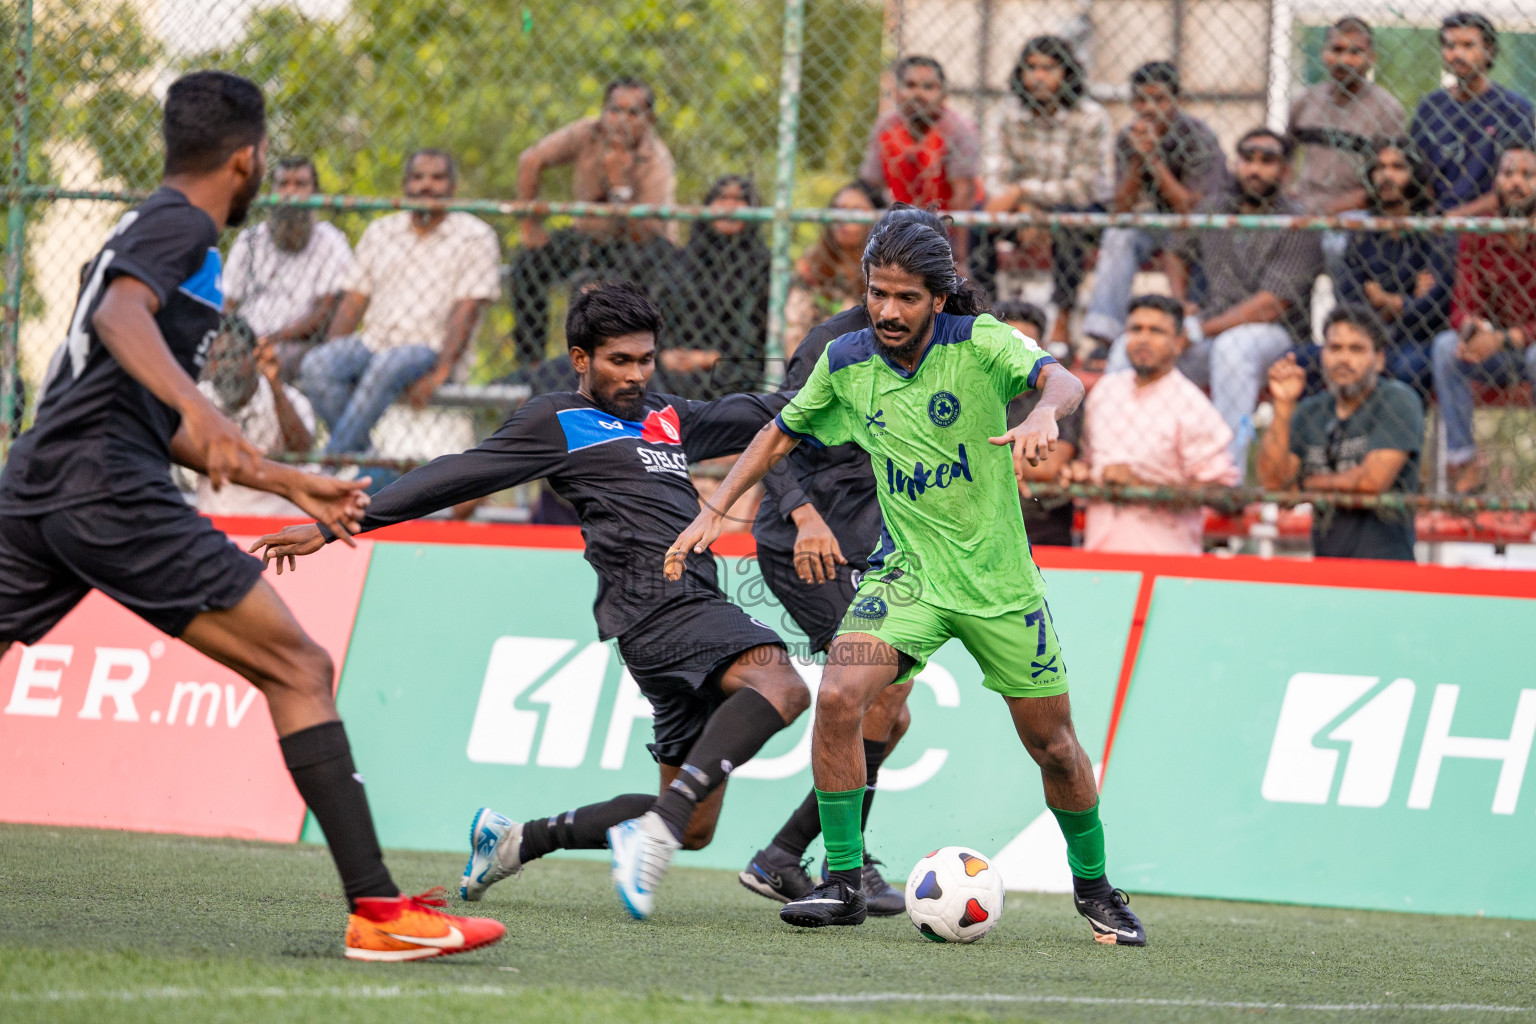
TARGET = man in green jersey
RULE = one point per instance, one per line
(925, 392)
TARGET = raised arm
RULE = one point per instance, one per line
(1278, 464)
(1060, 394)
(771, 444)
(527, 447)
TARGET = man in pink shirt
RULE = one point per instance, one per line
(1151, 426)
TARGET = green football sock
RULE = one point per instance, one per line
(840, 828)
(1085, 841)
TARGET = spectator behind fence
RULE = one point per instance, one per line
(285, 275)
(923, 152)
(1048, 520)
(1334, 122)
(1493, 317)
(242, 379)
(830, 276)
(1405, 276)
(1057, 156)
(1361, 436)
(423, 278)
(717, 309)
(616, 157)
(1462, 130)
(1151, 426)
(1258, 286)
(1166, 161)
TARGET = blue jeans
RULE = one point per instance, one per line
(1453, 388)
(351, 385)
(1122, 251)
(1236, 363)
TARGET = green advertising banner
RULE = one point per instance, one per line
(1319, 745)
(475, 677)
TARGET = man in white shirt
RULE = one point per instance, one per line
(284, 276)
(242, 380)
(424, 278)
(1150, 426)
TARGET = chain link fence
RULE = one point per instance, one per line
(445, 175)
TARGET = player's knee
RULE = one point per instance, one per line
(698, 835)
(793, 698)
(1058, 753)
(902, 724)
(838, 703)
(309, 671)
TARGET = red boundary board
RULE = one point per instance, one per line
(1317, 572)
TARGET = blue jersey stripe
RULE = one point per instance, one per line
(206, 286)
(587, 427)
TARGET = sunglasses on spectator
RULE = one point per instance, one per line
(1261, 154)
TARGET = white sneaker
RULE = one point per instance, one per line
(495, 848)
(642, 850)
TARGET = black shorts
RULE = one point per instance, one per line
(677, 656)
(817, 608)
(156, 557)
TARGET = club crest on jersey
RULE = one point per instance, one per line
(943, 408)
(662, 426)
(869, 608)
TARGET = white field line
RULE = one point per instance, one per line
(830, 999)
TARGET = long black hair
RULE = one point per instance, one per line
(1420, 192)
(913, 240)
(1074, 81)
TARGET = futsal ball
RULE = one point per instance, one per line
(954, 895)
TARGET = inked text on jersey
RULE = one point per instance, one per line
(922, 477)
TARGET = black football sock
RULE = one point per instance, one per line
(320, 761)
(734, 733)
(802, 827)
(874, 757)
(853, 878)
(805, 824)
(1092, 888)
(585, 828)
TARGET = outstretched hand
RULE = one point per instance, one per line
(696, 539)
(288, 545)
(339, 504)
(1033, 440)
(222, 450)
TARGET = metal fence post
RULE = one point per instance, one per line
(15, 240)
(784, 182)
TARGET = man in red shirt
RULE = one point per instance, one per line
(1493, 316)
(922, 152)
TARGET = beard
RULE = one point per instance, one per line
(1354, 389)
(625, 403)
(1145, 370)
(1523, 207)
(908, 348)
(240, 205)
(1259, 192)
(291, 227)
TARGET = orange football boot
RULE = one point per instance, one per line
(414, 928)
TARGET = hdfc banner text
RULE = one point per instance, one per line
(1350, 748)
(476, 678)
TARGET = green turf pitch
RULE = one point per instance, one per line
(130, 927)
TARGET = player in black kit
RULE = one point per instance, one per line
(719, 681)
(818, 523)
(87, 502)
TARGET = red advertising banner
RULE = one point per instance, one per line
(109, 723)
